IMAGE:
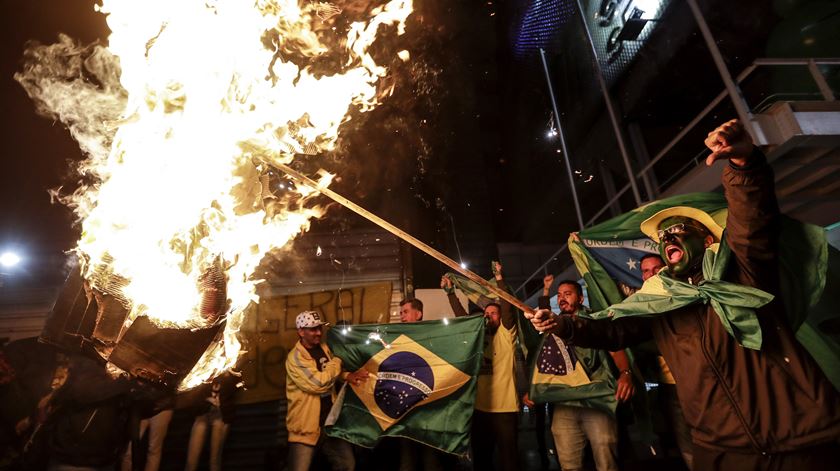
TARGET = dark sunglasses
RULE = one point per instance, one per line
(679, 229)
(675, 229)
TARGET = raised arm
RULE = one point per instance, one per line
(508, 318)
(545, 300)
(752, 223)
(446, 284)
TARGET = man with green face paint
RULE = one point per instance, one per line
(683, 244)
(754, 399)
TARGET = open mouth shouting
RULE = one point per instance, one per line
(673, 254)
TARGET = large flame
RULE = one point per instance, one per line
(210, 92)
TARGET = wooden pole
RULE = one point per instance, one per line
(301, 178)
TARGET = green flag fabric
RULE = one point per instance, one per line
(572, 376)
(735, 304)
(422, 384)
(476, 293)
(809, 275)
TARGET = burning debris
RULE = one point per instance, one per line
(180, 117)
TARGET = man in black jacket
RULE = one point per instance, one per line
(748, 408)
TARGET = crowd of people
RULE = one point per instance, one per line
(728, 407)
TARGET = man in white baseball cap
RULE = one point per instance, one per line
(311, 372)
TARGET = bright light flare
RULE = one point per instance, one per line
(9, 259)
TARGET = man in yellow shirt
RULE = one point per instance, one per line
(311, 372)
(495, 422)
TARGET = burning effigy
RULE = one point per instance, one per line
(183, 117)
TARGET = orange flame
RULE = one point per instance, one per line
(212, 87)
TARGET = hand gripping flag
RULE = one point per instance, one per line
(422, 384)
(479, 295)
(589, 383)
(559, 372)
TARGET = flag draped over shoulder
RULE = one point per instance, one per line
(809, 271)
(612, 251)
(422, 384)
(734, 303)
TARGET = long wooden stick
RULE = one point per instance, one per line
(301, 178)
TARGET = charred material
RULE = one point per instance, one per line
(162, 356)
(90, 316)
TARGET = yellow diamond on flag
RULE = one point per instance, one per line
(407, 375)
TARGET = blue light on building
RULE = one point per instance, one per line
(540, 25)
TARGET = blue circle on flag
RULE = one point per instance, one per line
(406, 379)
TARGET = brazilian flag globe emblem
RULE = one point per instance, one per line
(421, 386)
(407, 376)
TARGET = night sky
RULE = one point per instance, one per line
(37, 151)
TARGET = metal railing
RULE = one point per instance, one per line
(825, 92)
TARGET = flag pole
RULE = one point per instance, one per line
(301, 178)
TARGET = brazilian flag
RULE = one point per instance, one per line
(422, 384)
(479, 295)
(809, 270)
(572, 376)
(612, 251)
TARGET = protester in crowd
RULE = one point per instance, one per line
(768, 406)
(214, 410)
(570, 302)
(30, 376)
(89, 418)
(411, 310)
(156, 425)
(650, 265)
(311, 373)
(414, 455)
(573, 426)
(495, 421)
